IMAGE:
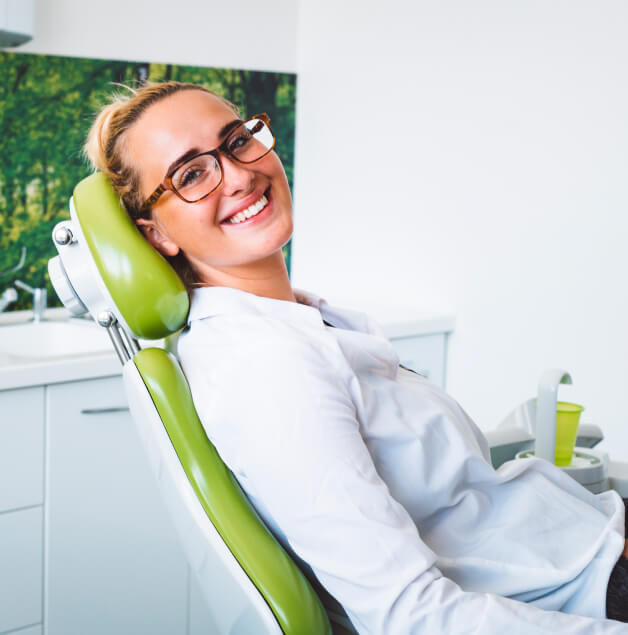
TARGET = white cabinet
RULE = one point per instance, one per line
(114, 564)
(21, 448)
(21, 497)
(420, 339)
(20, 568)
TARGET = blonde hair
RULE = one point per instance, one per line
(105, 148)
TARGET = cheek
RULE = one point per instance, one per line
(273, 166)
(187, 220)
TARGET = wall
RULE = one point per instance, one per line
(472, 158)
(236, 34)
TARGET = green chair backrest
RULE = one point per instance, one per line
(149, 296)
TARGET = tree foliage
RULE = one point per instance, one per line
(47, 104)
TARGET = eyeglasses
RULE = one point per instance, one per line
(197, 177)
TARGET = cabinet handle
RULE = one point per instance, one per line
(100, 411)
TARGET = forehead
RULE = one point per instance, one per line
(172, 126)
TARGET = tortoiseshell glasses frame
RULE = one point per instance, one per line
(254, 125)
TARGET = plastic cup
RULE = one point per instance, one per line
(567, 419)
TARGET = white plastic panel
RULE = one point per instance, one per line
(201, 621)
(21, 544)
(425, 354)
(21, 448)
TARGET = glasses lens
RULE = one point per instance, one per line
(251, 141)
(197, 178)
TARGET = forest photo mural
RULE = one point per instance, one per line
(47, 104)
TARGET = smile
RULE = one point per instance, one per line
(249, 212)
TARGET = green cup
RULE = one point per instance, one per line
(567, 419)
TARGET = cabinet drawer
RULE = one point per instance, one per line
(425, 354)
(21, 447)
(21, 557)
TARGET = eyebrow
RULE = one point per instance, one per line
(194, 151)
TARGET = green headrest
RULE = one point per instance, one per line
(148, 294)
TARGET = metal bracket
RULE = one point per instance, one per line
(124, 345)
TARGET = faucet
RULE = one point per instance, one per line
(8, 297)
(39, 299)
(18, 266)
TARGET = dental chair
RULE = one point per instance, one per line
(105, 267)
(251, 585)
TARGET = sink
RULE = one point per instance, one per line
(54, 338)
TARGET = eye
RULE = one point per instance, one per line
(239, 140)
(191, 176)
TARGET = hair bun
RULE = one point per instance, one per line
(98, 137)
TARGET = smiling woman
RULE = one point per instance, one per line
(207, 179)
(364, 470)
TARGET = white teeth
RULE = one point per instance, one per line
(251, 210)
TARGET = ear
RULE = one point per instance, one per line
(156, 237)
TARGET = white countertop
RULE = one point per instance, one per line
(18, 372)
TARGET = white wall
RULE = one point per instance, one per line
(472, 157)
(242, 34)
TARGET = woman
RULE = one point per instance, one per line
(370, 474)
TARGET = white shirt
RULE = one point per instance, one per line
(383, 485)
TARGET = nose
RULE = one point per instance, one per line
(237, 178)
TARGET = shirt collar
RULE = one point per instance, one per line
(208, 302)
(309, 307)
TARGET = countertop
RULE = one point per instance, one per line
(18, 372)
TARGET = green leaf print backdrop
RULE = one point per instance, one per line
(47, 104)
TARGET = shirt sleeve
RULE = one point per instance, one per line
(283, 419)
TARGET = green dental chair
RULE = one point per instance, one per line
(106, 268)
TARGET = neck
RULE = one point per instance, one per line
(267, 278)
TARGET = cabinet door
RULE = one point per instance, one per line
(21, 448)
(114, 564)
(20, 568)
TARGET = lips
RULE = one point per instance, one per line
(245, 214)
